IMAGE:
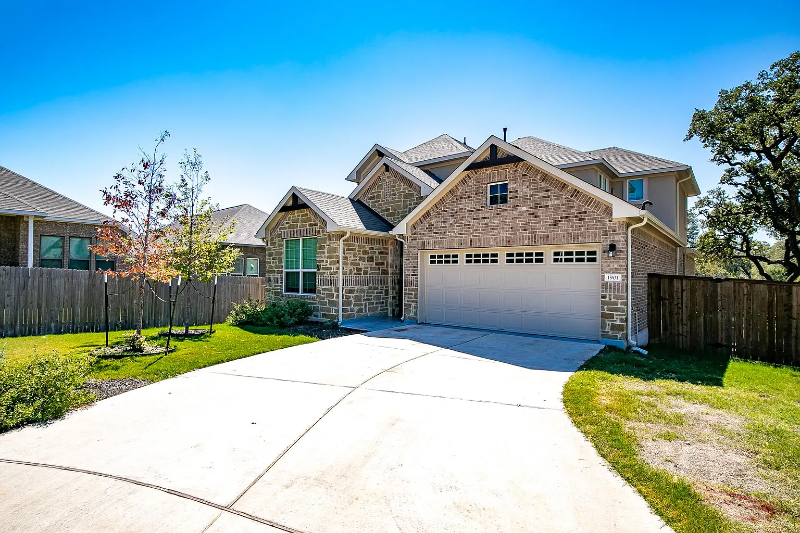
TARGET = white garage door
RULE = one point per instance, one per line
(546, 291)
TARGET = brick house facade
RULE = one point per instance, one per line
(433, 201)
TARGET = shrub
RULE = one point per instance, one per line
(41, 389)
(281, 314)
(135, 343)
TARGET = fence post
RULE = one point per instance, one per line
(105, 307)
(213, 302)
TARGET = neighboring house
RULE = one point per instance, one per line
(527, 236)
(42, 228)
(247, 220)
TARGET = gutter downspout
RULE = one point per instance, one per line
(341, 284)
(402, 276)
(644, 221)
(677, 216)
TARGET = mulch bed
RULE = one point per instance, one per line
(182, 332)
(106, 388)
(321, 330)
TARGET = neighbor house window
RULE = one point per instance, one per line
(300, 266)
(524, 257)
(104, 263)
(51, 252)
(251, 266)
(498, 193)
(238, 267)
(636, 190)
(575, 256)
(79, 253)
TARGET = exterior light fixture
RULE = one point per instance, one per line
(612, 250)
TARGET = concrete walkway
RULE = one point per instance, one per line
(416, 428)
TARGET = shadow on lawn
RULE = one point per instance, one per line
(663, 362)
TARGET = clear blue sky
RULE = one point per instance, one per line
(297, 93)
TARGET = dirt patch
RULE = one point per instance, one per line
(106, 388)
(738, 506)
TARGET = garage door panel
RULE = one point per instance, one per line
(549, 299)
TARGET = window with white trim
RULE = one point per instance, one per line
(524, 257)
(603, 182)
(443, 259)
(251, 266)
(497, 193)
(636, 190)
(484, 258)
(238, 267)
(300, 266)
(575, 256)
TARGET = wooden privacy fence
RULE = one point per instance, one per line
(747, 319)
(40, 301)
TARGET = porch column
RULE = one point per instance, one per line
(30, 242)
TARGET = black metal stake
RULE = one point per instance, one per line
(213, 302)
(171, 307)
(105, 286)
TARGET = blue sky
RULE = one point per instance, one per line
(296, 94)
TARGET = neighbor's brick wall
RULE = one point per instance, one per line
(650, 255)
(370, 272)
(53, 229)
(259, 253)
(9, 240)
(542, 210)
(690, 267)
(392, 195)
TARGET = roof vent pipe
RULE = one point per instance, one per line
(504, 134)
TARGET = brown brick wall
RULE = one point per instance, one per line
(392, 195)
(542, 210)
(259, 253)
(9, 240)
(370, 269)
(650, 255)
(55, 229)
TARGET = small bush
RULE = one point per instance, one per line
(281, 314)
(134, 342)
(41, 389)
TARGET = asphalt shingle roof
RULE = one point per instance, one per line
(345, 212)
(441, 146)
(552, 153)
(19, 191)
(626, 161)
(418, 173)
(248, 221)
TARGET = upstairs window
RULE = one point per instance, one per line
(79, 253)
(603, 182)
(300, 266)
(636, 190)
(51, 252)
(498, 193)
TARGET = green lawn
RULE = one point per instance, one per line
(712, 444)
(225, 344)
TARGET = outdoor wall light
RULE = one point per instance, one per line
(612, 250)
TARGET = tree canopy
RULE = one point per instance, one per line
(754, 132)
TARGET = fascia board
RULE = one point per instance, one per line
(424, 188)
(330, 224)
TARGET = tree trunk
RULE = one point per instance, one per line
(186, 311)
(141, 307)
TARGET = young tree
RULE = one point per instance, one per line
(141, 202)
(197, 241)
(754, 130)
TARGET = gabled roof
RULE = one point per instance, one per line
(620, 208)
(439, 148)
(425, 181)
(248, 220)
(339, 212)
(627, 161)
(23, 196)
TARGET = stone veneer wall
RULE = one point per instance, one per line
(370, 272)
(9, 240)
(392, 195)
(542, 210)
(650, 255)
(54, 229)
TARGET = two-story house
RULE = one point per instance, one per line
(525, 236)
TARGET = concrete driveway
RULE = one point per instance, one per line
(417, 428)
